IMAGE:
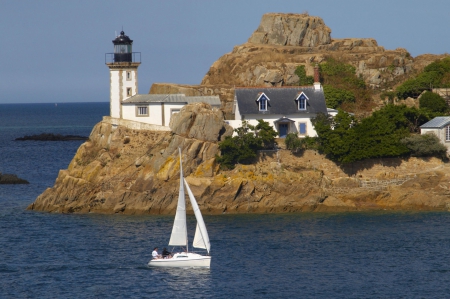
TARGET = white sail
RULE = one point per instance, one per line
(179, 230)
(201, 238)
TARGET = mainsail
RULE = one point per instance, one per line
(201, 238)
(179, 230)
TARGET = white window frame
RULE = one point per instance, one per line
(263, 102)
(128, 75)
(142, 111)
(299, 100)
(129, 91)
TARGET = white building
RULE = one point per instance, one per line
(440, 126)
(287, 109)
(126, 103)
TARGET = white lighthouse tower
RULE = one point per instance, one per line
(123, 75)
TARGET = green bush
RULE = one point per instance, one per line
(344, 139)
(293, 142)
(433, 102)
(243, 147)
(334, 97)
(427, 145)
(434, 75)
(303, 79)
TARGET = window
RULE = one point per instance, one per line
(142, 111)
(447, 133)
(129, 91)
(128, 76)
(302, 102)
(263, 102)
(173, 111)
(302, 128)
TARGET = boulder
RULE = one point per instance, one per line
(291, 30)
(199, 121)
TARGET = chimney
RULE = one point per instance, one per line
(317, 84)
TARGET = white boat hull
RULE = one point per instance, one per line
(183, 260)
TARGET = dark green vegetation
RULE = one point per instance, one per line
(303, 79)
(297, 144)
(386, 133)
(342, 88)
(433, 104)
(434, 75)
(426, 145)
(391, 131)
(243, 147)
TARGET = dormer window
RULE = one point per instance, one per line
(301, 101)
(263, 102)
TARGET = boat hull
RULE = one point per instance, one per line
(183, 260)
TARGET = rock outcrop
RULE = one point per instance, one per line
(291, 30)
(130, 171)
(282, 42)
(51, 137)
(11, 179)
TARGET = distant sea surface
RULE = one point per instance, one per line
(308, 255)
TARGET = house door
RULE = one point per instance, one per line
(282, 130)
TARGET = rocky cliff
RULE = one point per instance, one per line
(136, 171)
(282, 42)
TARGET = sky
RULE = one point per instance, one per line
(53, 51)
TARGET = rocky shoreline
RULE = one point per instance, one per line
(129, 171)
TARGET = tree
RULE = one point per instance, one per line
(346, 140)
(266, 133)
(243, 147)
(433, 102)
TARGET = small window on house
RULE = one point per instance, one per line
(128, 76)
(263, 102)
(129, 91)
(263, 105)
(302, 102)
(302, 128)
(173, 111)
(142, 111)
(447, 133)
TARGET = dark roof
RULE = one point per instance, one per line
(171, 98)
(284, 119)
(282, 100)
(436, 123)
(122, 39)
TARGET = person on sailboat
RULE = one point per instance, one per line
(155, 253)
(166, 254)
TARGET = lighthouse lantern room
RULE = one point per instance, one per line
(123, 65)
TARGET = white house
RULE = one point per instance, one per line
(126, 103)
(440, 126)
(287, 109)
(157, 109)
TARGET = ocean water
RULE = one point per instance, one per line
(308, 255)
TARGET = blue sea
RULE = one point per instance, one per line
(307, 255)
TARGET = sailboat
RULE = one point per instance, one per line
(179, 237)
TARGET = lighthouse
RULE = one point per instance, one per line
(123, 75)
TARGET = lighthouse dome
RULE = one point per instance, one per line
(122, 39)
